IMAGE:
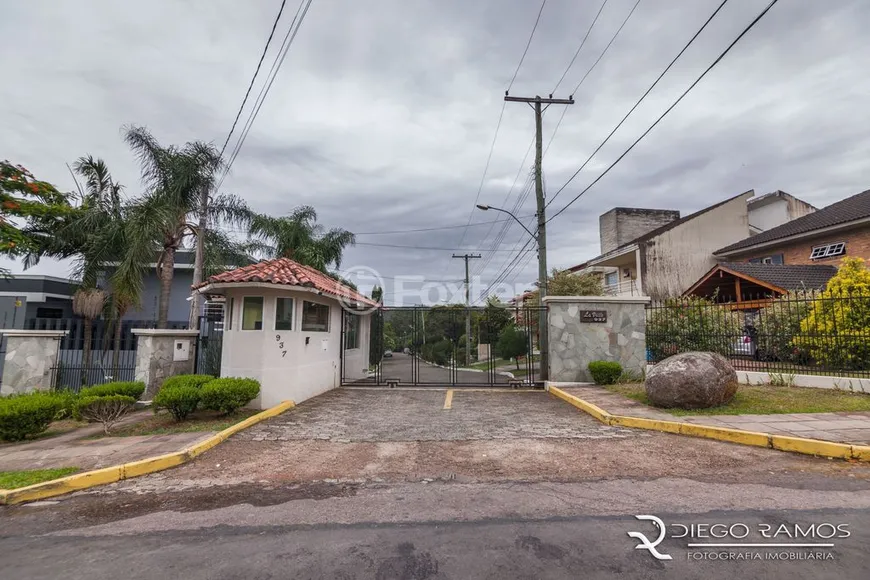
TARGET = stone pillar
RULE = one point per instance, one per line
(31, 360)
(162, 353)
(589, 328)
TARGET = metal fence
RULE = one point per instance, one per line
(209, 345)
(824, 333)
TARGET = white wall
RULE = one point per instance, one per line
(287, 367)
(770, 215)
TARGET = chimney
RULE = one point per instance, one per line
(622, 225)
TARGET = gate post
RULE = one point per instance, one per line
(31, 360)
(162, 353)
(589, 328)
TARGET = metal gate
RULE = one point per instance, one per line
(441, 346)
(208, 346)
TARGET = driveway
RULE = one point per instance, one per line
(400, 367)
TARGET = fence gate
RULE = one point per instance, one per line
(428, 346)
(208, 346)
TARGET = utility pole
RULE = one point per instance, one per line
(467, 257)
(543, 329)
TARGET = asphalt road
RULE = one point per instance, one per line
(400, 367)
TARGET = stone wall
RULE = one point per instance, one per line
(574, 343)
(31, 360)
(155, 357)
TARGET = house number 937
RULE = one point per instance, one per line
(280, 345)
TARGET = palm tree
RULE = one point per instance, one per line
(88, 303)
(163, 219)
(299, 237)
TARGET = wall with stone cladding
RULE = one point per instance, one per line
(574, 344)
(155, 354)
(31, 358)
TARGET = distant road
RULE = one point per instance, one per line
(399, 366)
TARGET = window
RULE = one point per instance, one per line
(828, 251)
(49, 313)
(284, 314)
(626, 272)
(610, 279)
(351, 331)
(315, 317)
(252, 313)
(776, 259)
(230, 313)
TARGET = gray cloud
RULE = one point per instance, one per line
(383, 113)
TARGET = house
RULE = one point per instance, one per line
(291, 327)
(826, 236)
(25, 297)
(746, 285)
(657, 253)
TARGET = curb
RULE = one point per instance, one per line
(116, 473)
(816, 447)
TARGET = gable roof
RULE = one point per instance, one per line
(287, 272)
(786, 276)
(847, 210)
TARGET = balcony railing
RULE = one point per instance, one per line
(623, 288)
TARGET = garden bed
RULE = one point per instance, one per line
(164, 424)
(765, 400)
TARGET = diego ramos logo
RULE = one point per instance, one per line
(645, 544)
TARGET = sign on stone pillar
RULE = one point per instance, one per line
(589, 328)
(162, 353)
(31, 360)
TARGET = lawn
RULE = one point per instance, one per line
(767, 400)
(16, 479)
(164, 424)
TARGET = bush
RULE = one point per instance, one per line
(186, 381)
(605, 372)
(777, 326)
(512, 343)
(25, 415)
(836, 328)
(128, 389)
(439, 352)
(691, 324)
(181, 401)
(106, 409)
(228, 395)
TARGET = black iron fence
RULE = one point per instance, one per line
(209, 345)
(825, 333)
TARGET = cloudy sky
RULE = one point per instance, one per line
(383, 113)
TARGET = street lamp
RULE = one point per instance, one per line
(543, 329)
(480, 206)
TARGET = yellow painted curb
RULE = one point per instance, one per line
(115, 473)
(782, 443)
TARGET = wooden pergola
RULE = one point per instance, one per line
(738, 290)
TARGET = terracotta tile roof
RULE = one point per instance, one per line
(847, 210)
(286, 272)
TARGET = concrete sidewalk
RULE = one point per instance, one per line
(72, 449)
(845, 427)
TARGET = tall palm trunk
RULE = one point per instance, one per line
(165, 272)
(120, 310)
(199, 259)
(86, 350)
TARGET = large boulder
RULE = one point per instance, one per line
(691, 380)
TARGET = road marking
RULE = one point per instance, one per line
(448, 399)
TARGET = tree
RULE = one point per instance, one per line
(512, 343)
(565, 283)
(836, 328)
(26, 203)
(300, 238)
(88, 303)
(495, 317)
(170, 212)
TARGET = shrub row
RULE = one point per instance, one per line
(183, 394)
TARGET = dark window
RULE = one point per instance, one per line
(315, 317)
(49, 313)
(351, 331)
(252, 313)
(284, 314)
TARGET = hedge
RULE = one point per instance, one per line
(25, 415)
(196, 381)
(181, 401)
(229, 394)
(128, 389)
(605, 372)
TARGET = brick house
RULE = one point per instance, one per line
(825, 236)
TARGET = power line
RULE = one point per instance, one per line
(640, 100)
(411, 231)
(668, 110)
(264, 91)
(254, 78)
(424, 247)
(579, 48)
(529, 43)
(591, 68)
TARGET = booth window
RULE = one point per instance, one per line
(252, 313)
(351, 331)
(315, 317)
(284, 314)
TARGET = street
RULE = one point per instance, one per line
(388, 483)
(400, 367)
